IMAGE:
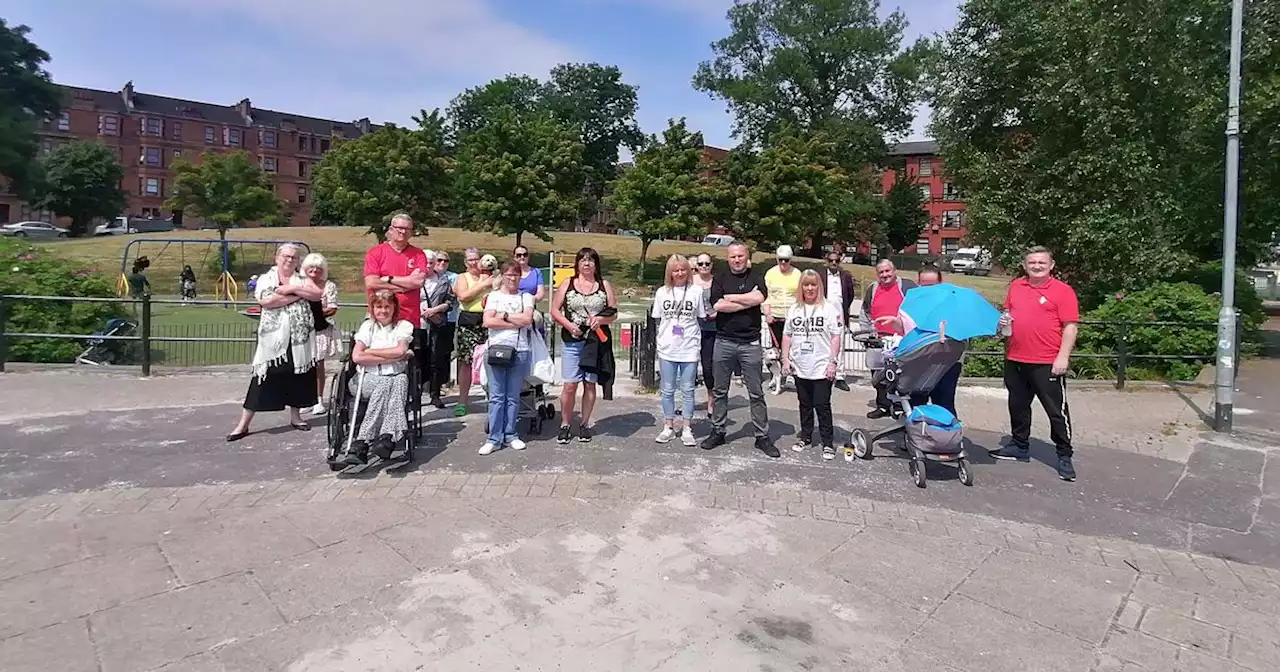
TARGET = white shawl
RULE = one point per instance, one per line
(284, 329)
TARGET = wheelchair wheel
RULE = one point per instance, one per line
(336, 422)
(965, 475)
(916, 466)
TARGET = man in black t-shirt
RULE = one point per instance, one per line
(737, 294)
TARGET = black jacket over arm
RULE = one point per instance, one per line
(597, 358)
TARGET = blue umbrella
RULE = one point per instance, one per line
(966, 313)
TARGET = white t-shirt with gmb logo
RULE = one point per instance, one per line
(811, 329)
(677, 310)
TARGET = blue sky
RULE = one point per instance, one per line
(390, 58)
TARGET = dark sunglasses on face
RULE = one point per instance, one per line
(703, 264)
(521, 255)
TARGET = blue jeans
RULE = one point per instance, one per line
(570, 360)
(677, 375)
(504, 398)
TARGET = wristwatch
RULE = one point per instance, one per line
(387, 279)
(506, 317)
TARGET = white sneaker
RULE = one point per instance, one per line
(665, 435)
(319, 409)
(516, 444)
(828, 452)
(800, 445)
(487, 448)
(686, 437)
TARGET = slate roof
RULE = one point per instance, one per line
(913, 148)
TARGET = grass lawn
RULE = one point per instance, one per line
(345, 248)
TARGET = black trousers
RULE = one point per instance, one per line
(708, 360)
(815, 397)
(1028, 381)
(436, 353)
(944, 393)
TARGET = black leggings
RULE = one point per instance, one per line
(708, 369)
(434, 356)
(815, 397)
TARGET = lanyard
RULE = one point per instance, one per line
(680, 305)
(808, 333)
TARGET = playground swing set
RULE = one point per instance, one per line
(225, 287)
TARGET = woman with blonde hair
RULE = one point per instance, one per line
(316, 268)
(284, 360)
(811, 338)
(678, 305)
(381, 350)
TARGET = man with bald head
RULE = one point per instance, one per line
(883, 299)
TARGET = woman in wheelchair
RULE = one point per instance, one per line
(381, 353)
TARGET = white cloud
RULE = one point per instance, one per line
(710, 10)
(445, 36)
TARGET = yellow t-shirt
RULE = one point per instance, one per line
(477, 304)
(782, 290)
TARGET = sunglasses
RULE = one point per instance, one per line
(521, 255)
(442, 261)
(784, 261)
(703, 264)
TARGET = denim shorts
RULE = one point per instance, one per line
(570, 364)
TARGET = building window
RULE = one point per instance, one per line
(302, 143)
(324, 145)
(175, 130)
(952, 219)
(926, 167)
(151, 186)
(951, 192)
(108, 124)
(950, 245)
(152, 156)
(269, 164)
(232, 137)
(302, 194)
(64, 121)
(303, 169)
(269, 139)
(922, 246)
(210, 135)
(926, 193)
(177, 154)
(46, 146)
(151, 213)
(152, 126)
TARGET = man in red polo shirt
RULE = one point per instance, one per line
(401, 268)
(883, 298)
(1040, 322)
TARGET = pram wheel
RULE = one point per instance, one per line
(916, 466)
(966, 476)
(861, 444)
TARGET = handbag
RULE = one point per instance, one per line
(501, 356)
(469, 318)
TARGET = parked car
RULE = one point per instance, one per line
(629, 232)
(718, 239)
(33, 230)
(971, 261)
(124, 225)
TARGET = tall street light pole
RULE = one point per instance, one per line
(1225, 371)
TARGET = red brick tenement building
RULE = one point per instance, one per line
(150, 133)
(943, 200)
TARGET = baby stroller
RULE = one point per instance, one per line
(102, 351)
(346, 412)
(928, 431)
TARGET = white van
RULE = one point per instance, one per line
(718, 239)
(124, 225)
(971, 261)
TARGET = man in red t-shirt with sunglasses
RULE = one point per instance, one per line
(1040, 323)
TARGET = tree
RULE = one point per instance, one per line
(363, 182)
(27, 97)
(815, 65)
(1105, 143)
(796, 190)
(520, 173)
(661, 194)
(224, 189)
(472, 109)
(81, 180)
(902, 215)
(593, 99)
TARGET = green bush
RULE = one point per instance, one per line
(1163, 302)
(26, 269)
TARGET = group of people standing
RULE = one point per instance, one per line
(420, 313)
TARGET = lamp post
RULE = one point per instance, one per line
(1225, 370)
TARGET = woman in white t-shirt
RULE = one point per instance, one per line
(508, 314)
(810, 351)
(382, 353)
(677, 305)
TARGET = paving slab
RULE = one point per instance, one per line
(64, 647)
(39, 599)
(348, 570)
(215, 548)
(1071, 597)
(949, 635)
(29, 547)
(169, 627)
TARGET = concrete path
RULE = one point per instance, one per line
(133, 538)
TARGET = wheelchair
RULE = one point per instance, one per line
(346, 413)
